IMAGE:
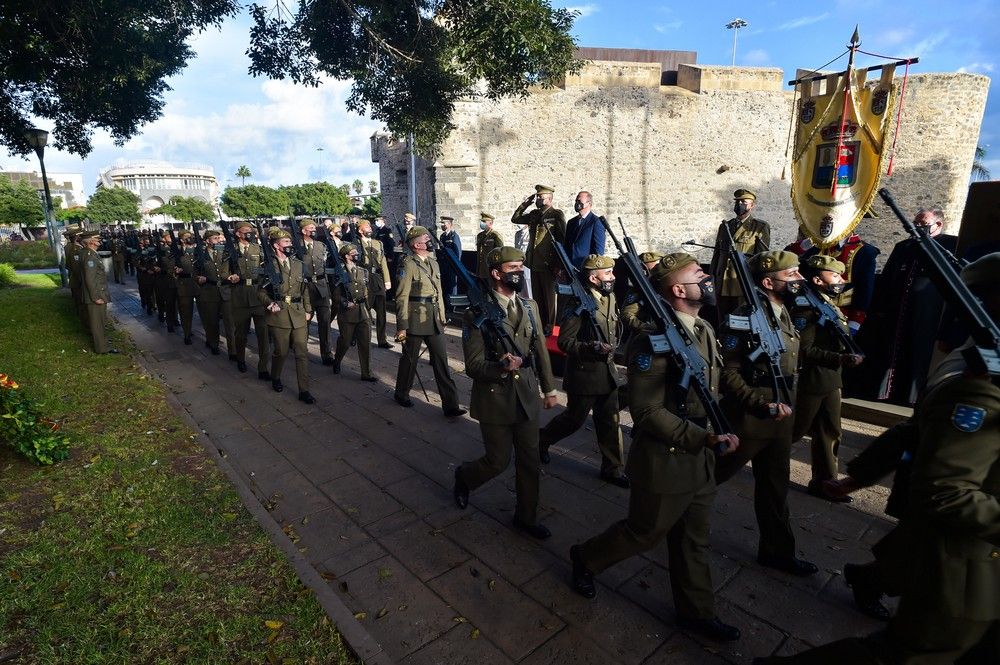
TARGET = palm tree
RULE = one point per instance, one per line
(243, 173)
(358, 186)
(372, 186)
(979, 170)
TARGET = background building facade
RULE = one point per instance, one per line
(155, 182)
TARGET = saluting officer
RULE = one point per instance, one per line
(591, 379)
(246, 302)
(671, 462)
(353, 319)
(420, 319)
(763, 424)
(505, 392)
(288, 314)
(213, 293)
(94, 291)
(546, 225)
(751, 236)
(314, 261)
(487, 240)
(379, 279)
(187, 285)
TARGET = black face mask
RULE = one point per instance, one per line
(837, 289)
(707, 288)
(606, 286)
(740, 208)
(250, 237)
(219, 246)
(513, 280)
(793, 287)
(288, 251)
(539, 203)
(578, 206)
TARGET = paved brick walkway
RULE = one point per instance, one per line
(363, 488)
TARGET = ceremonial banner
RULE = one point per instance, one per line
(839, 150)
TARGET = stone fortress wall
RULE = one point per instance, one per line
(666, 158)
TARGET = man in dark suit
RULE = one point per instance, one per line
(450, 241)
(585, 235)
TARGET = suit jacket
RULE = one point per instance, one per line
(540, 255)
(500, 397)
(486, 242)
(588, 372)
(668, 454)
(419, 300)
(378, 267)
(94, 280)
(751, 236)
(584, 237)
(293, 287)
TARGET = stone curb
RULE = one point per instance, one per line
(357, 639)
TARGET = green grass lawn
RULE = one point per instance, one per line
(137, 549)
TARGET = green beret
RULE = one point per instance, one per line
(595, 262)
(306, 221)
(347, 248)
(487, 217)
(649, 257)
(544, 189)
(744, 194)
(824, 262)
(277, 234)
(416, 232)
(241, 225)
(211, 232)
(669, 264)
(500, 255)
(410, 217)
(984, 270)
(773, 261)
(184, 234)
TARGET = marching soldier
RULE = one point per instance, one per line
(420, 319)
(353, 319)
(246, 303)
(213, 293)
(72, 263)
(505, 392)
(487, 240)
(288, 315)
(632, 312)
(118, 257)
(94, 292)
(187, 285)
(145, 275)
(546, 225)
(591, 379)
(751, 236)
(763, 424)
(817, 398)
(166, 285)
(314, 261)
(379, 280)
(671, 462)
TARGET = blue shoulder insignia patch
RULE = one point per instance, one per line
(631, 298)
(968, 418)
(644, 361)
(729, 342)
(799, 323)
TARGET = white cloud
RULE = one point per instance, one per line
(926, 46)
(977, 67)
(755, 57)
(666, 27)
(893, 37)
(802, 21)
(585, 10)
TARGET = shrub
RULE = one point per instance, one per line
(7, 275)
(25, 430)
(25, 255)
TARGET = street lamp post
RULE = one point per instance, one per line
(735, 26)
(38, 138)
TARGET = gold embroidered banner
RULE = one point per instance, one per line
(830, 191)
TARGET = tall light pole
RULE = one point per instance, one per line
(38, 138)
(735, 26)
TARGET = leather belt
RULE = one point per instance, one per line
(422, 299)
(290, 299)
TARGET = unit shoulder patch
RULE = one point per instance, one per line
(643, 361)
(967, 418)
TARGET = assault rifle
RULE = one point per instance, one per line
(765, 337)
(296, 231)
(585, 303)
(829, 318)
(199, 244)
(672, 338)
(270, 268)
(984, 356)
(175, 246)
(336, 272)
(232, 254)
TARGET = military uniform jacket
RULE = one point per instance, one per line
(747, 387)
(94, 280)
(819, 352)
(750, 237)
(378, 266)
(668, 454)
(73, 252)
(358, 289)
(214, 269)
(954, 513)
(541, 255)
(295, 305)
(588, 372)
(245, 293)
(166, 263)
(187, 286)
(500, 397)
(419, 304)
(486, 242)
(314, 262)
(117, 249)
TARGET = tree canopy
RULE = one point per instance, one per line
(84, 65)
(243, 173)
(73, 215)
(19, 203)
(110, 205)
(186, 209)
(316, 198)
(372, 207)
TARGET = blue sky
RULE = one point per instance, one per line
(219, 115)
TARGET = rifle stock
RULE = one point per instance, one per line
(271, 272)
(585, 302)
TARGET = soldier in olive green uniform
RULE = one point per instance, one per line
(671, 462)
(94, 291)
(314, 261)
(591, 379)
(486, 241)
(145, 274)
(212, 288)
(288, 312)
(817, 395)
(950, 601)
(633, 314)
(165, 285)
(72, 263)
(379, 279)
(246, 302)
(353, 319)
(763, 424)
(118, 258)
(420, 319)
(505, 392)
(546, 225)
(751, 236)
(187, 285)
